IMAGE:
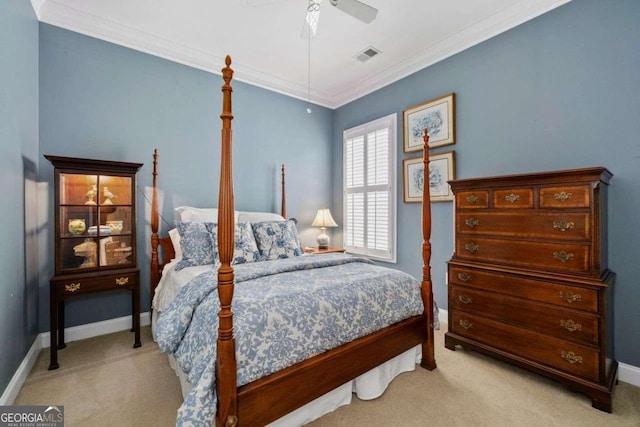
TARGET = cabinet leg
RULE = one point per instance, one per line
(53, 348)
(603, 404)
(449, 343)
(135, 310)
(61, 343)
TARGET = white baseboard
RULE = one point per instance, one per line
(443, 315)
(629, 374)
(14, 386)
(74, 333)
(96, 329)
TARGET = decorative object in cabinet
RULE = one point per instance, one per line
(94, 237)
(528, 281)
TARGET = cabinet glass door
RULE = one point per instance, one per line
(95, 220)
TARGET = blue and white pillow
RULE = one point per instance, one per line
(246, 249)
(196, 243)
(277, 239)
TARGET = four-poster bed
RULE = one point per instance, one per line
(270, 397)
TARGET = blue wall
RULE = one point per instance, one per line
(99, 100)
(559, 92)
(18, 175)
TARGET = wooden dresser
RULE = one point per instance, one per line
(529, 283)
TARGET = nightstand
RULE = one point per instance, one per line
(316, 250)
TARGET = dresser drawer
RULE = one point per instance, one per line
(472, 199)
(567, 356)
(519, 198)
(572, 325)
(75, 286)
(564, 257)
(576, 196)
(535, 290)
(525, 224)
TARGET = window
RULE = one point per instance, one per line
(369, 189)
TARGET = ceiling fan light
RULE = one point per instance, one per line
(311, 20)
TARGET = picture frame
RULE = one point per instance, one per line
(437, 115)
(441, 170)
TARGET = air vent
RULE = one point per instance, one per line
(367, 54)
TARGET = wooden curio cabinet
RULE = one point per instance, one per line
(94, 235)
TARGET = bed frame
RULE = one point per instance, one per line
(267, 399)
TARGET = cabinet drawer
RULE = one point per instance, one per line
(518, 198)
(565, 324)
(535, 290)
(567, 356)
(552, 256)
(578, 196)
(472, 199)
(525, 224)
(74, 286)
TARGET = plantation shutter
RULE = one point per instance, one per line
(369, 189)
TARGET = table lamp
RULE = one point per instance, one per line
(323, 220)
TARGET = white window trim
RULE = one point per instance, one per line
(391, 122)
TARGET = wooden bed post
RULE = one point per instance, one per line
(155, 273)
(283, 206)
(428, 357)
(226, 370)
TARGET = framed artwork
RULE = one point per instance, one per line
(437, 115)
(441, 170)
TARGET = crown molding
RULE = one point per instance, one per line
(61, 15)
(471, 36)
(37, 5)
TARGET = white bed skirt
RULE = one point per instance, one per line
(367, 386)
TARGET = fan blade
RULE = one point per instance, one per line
(357, 9)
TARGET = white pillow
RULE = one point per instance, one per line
(174, 235)
(259, 217)
(191, 214)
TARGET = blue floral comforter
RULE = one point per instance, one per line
(285, 311)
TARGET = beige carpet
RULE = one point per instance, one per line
(102, 381)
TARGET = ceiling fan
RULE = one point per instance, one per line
(361, 11)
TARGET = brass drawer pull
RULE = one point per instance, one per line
(563, 256)
(571, 357)
(512, 198)
(472, 222)
(465, 277)
(472, 199)
(471, 247)
(120, 281)
(466, 324)
(570, 325)
(570, 297)
(563, 225)
(562, 196)
(72, 287)
(465, 299)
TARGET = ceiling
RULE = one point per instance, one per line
(264, 37)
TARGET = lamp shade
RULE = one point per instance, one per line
(324, 219)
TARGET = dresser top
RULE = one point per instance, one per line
(591, 174)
